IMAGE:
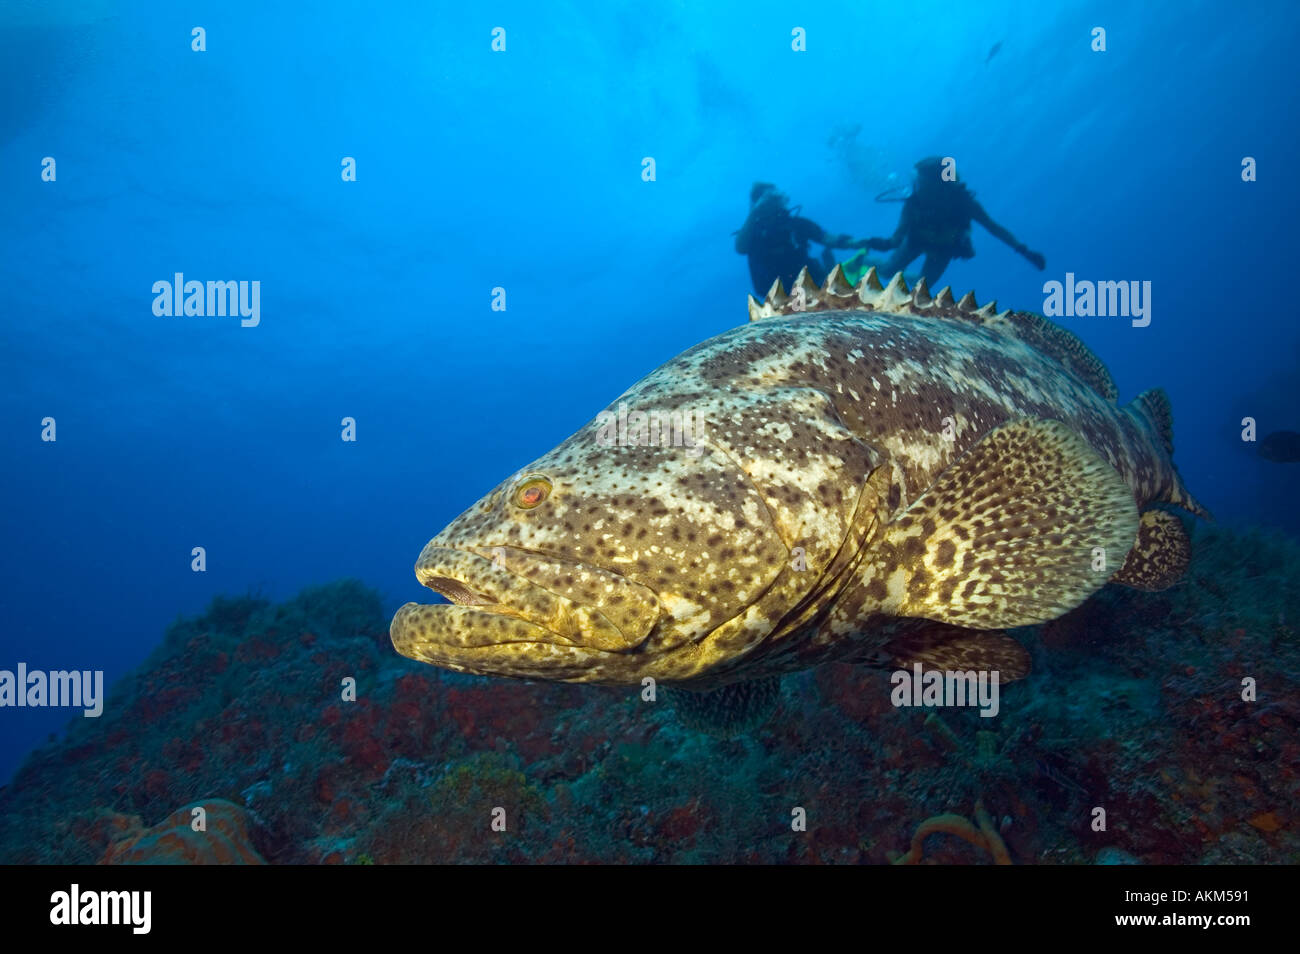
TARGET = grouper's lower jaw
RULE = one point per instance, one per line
(487, 643)
(524, 614)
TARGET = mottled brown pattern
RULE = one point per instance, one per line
(821, 515)
(1160, 556)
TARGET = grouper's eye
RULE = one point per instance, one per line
(531, 491)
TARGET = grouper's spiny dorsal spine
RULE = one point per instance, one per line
(1134, 439)
(836, 294)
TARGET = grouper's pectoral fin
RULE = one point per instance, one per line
(1020, 529)
(1159, 557)
(954, 649)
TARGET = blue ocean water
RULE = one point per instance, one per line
(522, 170)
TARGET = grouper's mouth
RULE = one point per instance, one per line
(519, 613)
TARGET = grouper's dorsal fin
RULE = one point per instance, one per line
(836, 294)
(1065, 346)
(1153, 404)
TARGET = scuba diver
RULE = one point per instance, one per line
(776, 237)
(935, 222)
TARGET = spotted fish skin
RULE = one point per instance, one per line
(877, 475)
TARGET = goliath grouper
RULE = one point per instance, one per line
(880, 476)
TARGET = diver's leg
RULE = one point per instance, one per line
(933, 268)
(898, 262)
(828, 260)
(818, 270)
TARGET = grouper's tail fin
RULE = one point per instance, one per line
(1152, 408)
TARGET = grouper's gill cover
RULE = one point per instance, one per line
(877, 475)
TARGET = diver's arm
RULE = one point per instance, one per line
(842, 240)
(998, 232)
(807, 229)
(885, 244)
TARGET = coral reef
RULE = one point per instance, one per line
(985, 836)
(1140, 706)
(223, 839)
